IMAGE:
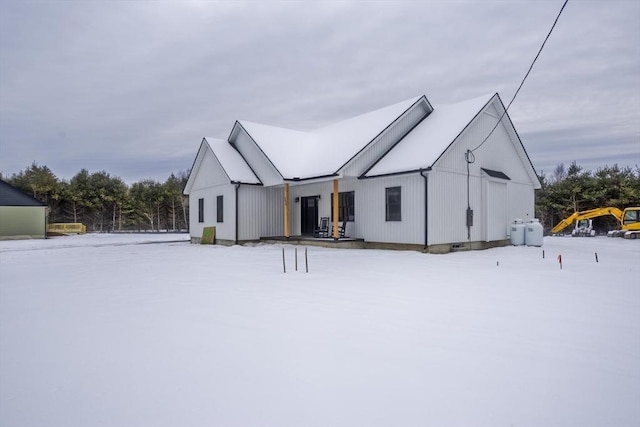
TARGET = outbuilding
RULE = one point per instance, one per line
(21, 216)
(412, 175)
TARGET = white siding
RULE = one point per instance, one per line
(211, 181)
(209, 173)
(224, 230)
(497, 153)
(261, 166)
(322, 189)
(495, 203)
(370, 210)
(448, 207)
(260, 212)
(364, 160)
(521, 204)
(495, 223)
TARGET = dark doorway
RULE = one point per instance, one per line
(308, 214)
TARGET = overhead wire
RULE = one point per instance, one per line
(469, 156)
(522, 82)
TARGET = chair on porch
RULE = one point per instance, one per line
(323, 229)
(342, 229)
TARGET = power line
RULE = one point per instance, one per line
(521, 83)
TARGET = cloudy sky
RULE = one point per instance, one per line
(131, 87)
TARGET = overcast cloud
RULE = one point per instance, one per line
(131, 87)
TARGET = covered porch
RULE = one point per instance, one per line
(308, 204)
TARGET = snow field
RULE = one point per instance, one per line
(102, 330)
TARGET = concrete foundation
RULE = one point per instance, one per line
(361, 244)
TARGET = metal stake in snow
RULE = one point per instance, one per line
(296, 257)
(560, 261)
(284, 266)
(596, 256)
(543, 254)
(306, 260)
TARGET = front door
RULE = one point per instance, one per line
(308, 214)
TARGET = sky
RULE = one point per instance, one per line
(132, 87)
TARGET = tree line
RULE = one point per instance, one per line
(105, 203)
(574, 189)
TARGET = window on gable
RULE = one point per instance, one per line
(220, 209)
(200, 210)
(346, 206)
(393, 196)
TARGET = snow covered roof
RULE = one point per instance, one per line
(231, 161)
(323, 151)
(293, 153)
(427, 141)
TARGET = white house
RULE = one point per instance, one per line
(411, 175)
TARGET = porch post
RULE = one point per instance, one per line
(336, 217)
(286, 211)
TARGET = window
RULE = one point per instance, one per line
(200, 210)
(630, 217)
(219, 209)
(346, 206)
(393, 203)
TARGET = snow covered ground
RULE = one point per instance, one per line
(100, 330)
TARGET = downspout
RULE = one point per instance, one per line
(237, 188)
(426, 207)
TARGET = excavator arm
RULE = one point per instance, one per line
(591, 213)
(565, 223)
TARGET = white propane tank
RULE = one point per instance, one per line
(517, 232)
(533, 233)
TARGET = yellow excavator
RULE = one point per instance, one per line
(628, 219)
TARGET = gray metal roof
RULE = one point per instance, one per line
(11, 196)
(496, 174)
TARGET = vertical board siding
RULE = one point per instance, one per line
(448, 207)
(494, 208)
(273, 221)
(521, 204)
(210, 173)
(495, 211)
(260, 212)
(322, 189)
(224, 230)
(251, 206)
(370, 202)
(262, 167)
(384, 142)
(211, 181)
(497, 153)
